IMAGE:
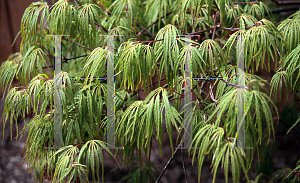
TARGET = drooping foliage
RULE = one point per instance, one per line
(151, 40)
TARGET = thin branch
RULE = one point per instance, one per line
(252, 2)
(98, 27)
(235, 21)
(184, 170)
(215, 26)
(176, 98)
(215, 103)
(102, 7)
(150, 41)
(25, 87)
(214, 100)
(65, 60)
(142, 89)
(152, 84)
(83, 46)
(75, 155)
(151, 25)
(212, 95)
(234, 85)
(230, 29)
(77, 3)
(74, 57)
(224, 28)
(46, 50)
(174, 91)
(137, 23)
(168, 163)
(201, 31)
(180, 29)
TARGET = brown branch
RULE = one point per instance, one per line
(98, 27)
(184, 170)
(150, 41)
(180, 29)
(176, 98)
(137, 23)
(147, 87)
(230, 29)
(224, 28)
(74, 57)
(252, 2)
(211, 28)
(234, 85)
(173, 91)
(46, 50)
(25, 87)
(83, 46)
(102, 7)
(77, 3)
(215, 26)
(215, 103)
(168, 163)
(151, 25)
(201, 31)
(235, 21)
(65, 60)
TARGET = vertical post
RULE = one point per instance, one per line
(110, 93)
(58, 140)
(187, 94)
(241, 93)
(57, 95)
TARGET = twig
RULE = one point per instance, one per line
(102, 7)
(142, 89)
(235, 21)
(149, 156)
(152, 84)
(215, 26)
(150, 41)
(46, 50)
(98, 27)
(230, 29)
(151, 25)
(212, 95)
(215, 103)
(83, 46)
(137, 23)
(201, 31)
(75, 155)
(184, 170)
(25, 87)
(213, 99)
(65, 60)
(168, 163)
(77, 3)
(252, 2)
(174, 91)
(180, 29)
(224, 28)
(176, 98)
(234, 85)
(74, 57)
